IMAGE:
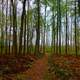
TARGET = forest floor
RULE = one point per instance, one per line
(38, 69)
(65, 67)
(54, 67)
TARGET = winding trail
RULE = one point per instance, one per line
(38, 69)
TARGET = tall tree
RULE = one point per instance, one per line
(14, 27)
(44, 27)
(66, 29)
(10, 18)
(79, 7)
(21, 28)
(37, 28)
(6, 25)
(24, 51)
(2, 21)
(28, 27)
(59, 24)
(75, 28)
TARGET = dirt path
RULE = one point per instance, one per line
(38, 69)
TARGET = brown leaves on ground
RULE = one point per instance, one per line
(28, 67)
(10, 65)
(20, 72)
(66, 66)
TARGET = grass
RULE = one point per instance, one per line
(70, 50)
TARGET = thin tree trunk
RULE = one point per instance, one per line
(21, 29)
(10, 46)
(66, 29)
(59, 26)
(6, 28)
(79, 7)
(44, 30)
(25, 36)
(14, 28)
(28, 28)
(53, 35)
(75, 30)
(57, 48)
(71, 36)
(2, 37)
(37, 29)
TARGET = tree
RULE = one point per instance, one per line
(14, 27)
(75, 29)
(79, 7)
(37, 28)
(59, 23)
(21, 28)
(6, 25)
(2, 25)
(66, 29)
(28, 19)
(44, 27)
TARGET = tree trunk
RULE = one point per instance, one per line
(59, 15)
(21, 29)
(79, 7)
(6, 28)
(2, 21)
(28, 28)
(66, 29)
(37, 29)
(75, 30)
(53, 35)
(44, 30)
(24, 51)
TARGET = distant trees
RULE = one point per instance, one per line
(41, 24)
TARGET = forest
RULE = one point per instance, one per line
(39, 39)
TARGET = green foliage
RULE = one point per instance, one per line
(2, 19)
(2, 43)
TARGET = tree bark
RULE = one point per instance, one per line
(14, 28)
(37, 29)
(21, 29)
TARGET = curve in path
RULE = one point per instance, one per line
(38, 69)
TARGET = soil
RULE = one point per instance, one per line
(54, 67)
